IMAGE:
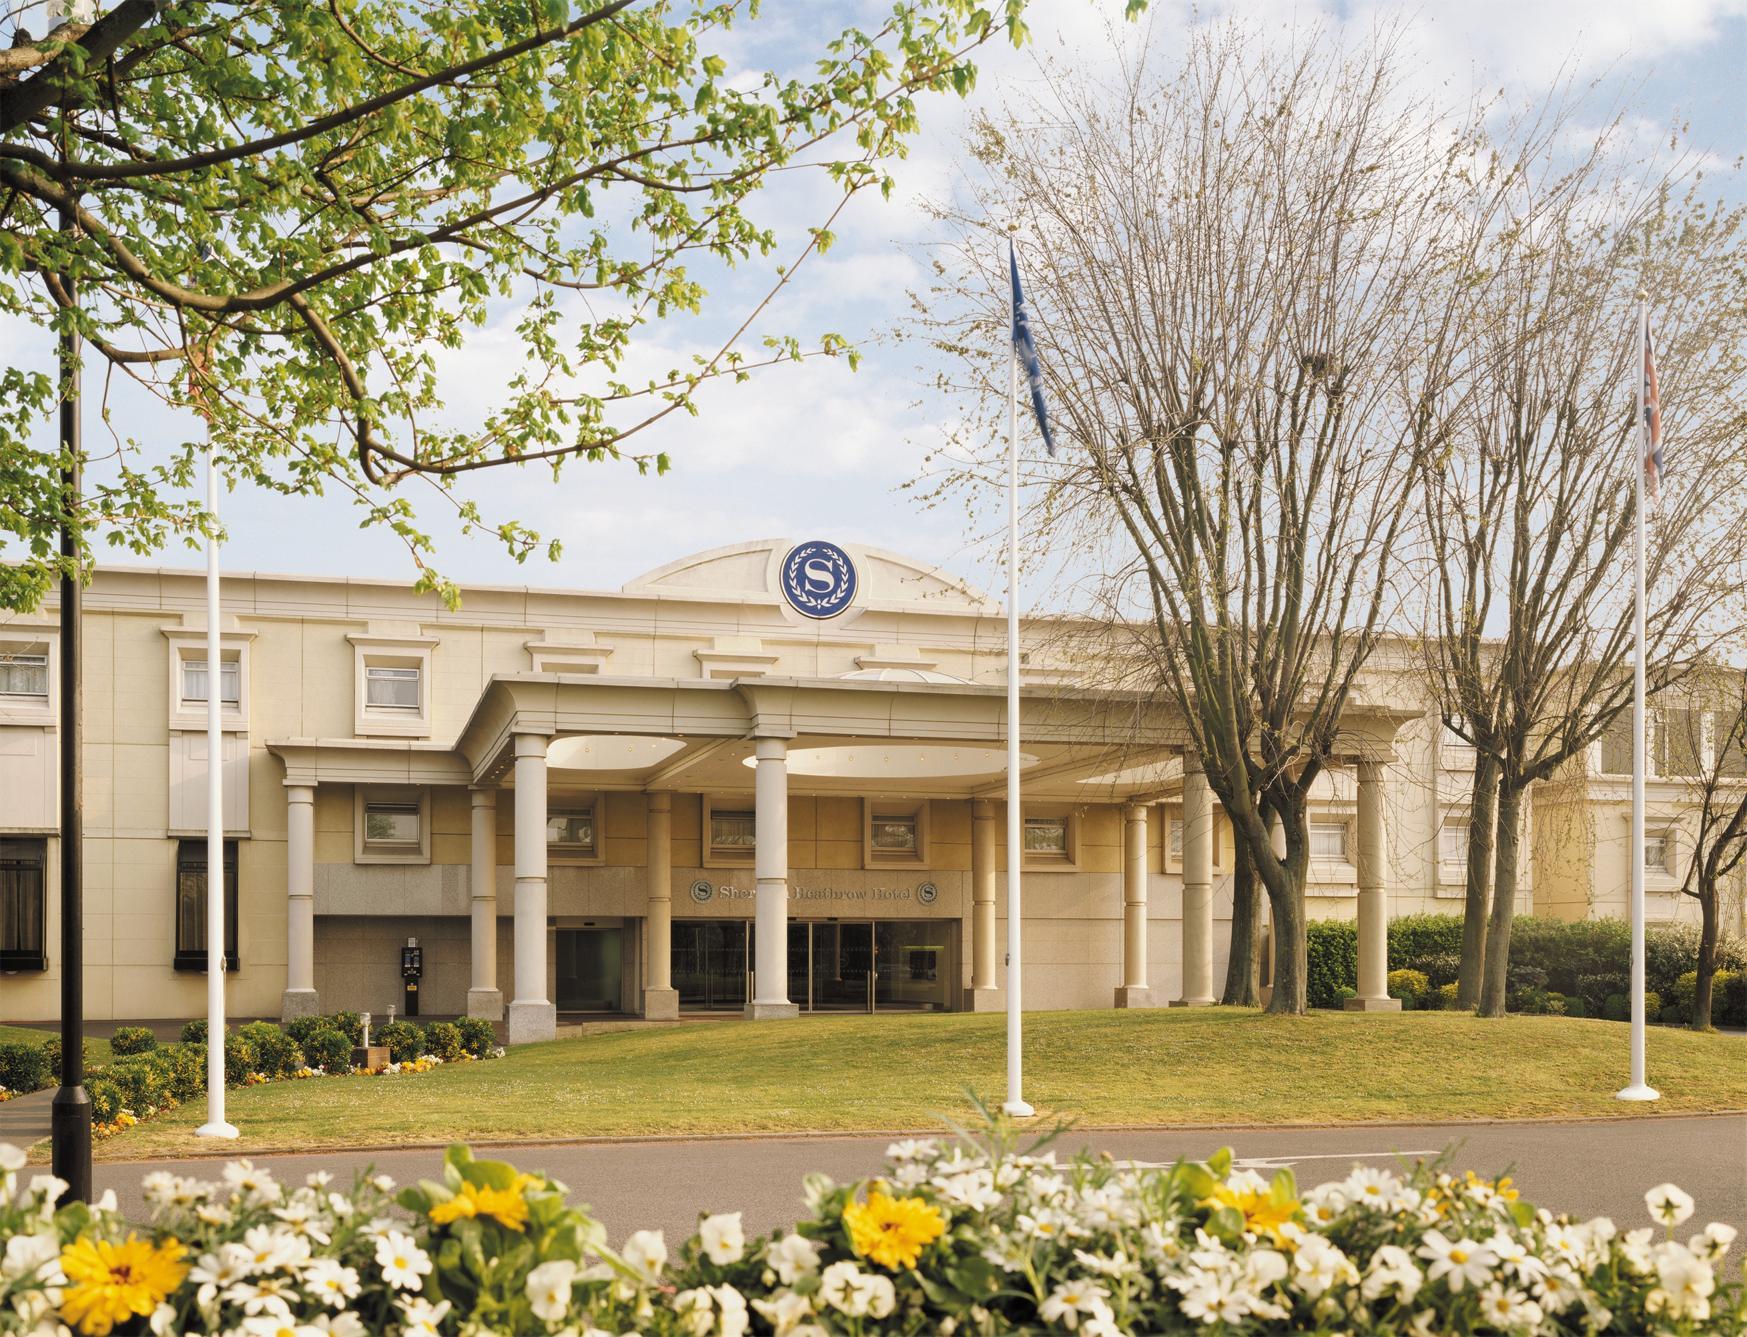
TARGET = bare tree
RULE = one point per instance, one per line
(1243, 274)
(1530, 513)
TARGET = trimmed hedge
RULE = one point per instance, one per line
(132, 1040)
(478, 1035)
(1567, 967)
(443, 1038)
(405, 1040)
(276, 1052)
(24, 1067)
(1411, 987)
(328, 1050)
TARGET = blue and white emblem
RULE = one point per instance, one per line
(818, 579)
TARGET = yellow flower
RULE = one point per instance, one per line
(111, 1283)
(893, 1231)
(1261, 1213)
(506, 1206)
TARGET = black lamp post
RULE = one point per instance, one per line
(70, 1126)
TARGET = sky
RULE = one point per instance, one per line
(818, 451)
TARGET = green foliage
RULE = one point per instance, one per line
(1411, 987)
(328, 1050)
(276, 1053)
(405, 1040)
(1431, 944)
(478, 1034)
(52, 1048)
(1332, 961)
(443, 1038)
(1444, 997)
(239, 1058)
(350, 1025)
(106, 1101)
(301, 1028)
(132, 1040)
(1729, 998)
(24, 1067)
(1678, 1008)
(310, 203)
(194, 1032)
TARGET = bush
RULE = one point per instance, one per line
(1444, 997)
(187, 1066)
(405, 1040)
(24, 1067)
(52, 1048)
(1652, 1005)
(143, 1082)
(1332, 961)
(1411, 987)
(1729, 998)
(443, 1038)
(276, 1053)
(350, 1025)
(301, 1028)
(1618, 1007)
(106, 1101)
(477, 1034)
(239, 1058)
(1682, 997)
(132, 1040)
(1430, 944)
(1599, 990)
(194, 1032)
(1575, 1007)
(328, 1050)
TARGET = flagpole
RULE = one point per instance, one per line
(216, 1124)
(1015, 1104)
(1639, 1089)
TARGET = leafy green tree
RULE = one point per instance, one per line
(279, 212)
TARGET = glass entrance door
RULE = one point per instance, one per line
(843, 962)
(709, 964)
(913, 965)
(590, 969)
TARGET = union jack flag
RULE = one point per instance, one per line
(1652, 426)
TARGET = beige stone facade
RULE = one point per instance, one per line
(623, 800)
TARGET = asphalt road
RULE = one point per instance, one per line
(1589, 1168)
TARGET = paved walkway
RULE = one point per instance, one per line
(1599, 1167)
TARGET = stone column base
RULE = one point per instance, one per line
(1134, 995)
(532, 1022)
(487, 1003)
(660, 1004)
(299, 1003)
(1373, 1005)
(771, 1011)
(1193, 1002)
(990, 999)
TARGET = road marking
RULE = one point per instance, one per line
(1279, 1162)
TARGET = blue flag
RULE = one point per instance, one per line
(1027, 350)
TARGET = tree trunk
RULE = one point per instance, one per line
(1507, 841)
(1483, 806)
(1291, 967)
(1243, 965)
(1707, 952)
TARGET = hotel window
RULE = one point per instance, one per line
(1046, 837)
(895, 833)
(570, 831)
(23, 904)
(733, 833)
(230, 681)
(24, 673)
(1657, 851)
(1615, 749)
(1328, 842)
(387, 687)
(1453, 841)
(392, 825)
(191, 905)
(1455, 753)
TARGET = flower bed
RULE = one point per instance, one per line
(974, 1237)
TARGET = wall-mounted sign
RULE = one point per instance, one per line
(925, 893)
(818, 579)
(702, 891)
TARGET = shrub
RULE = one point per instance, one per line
(477, 1034)
(1430, 944)
(1729, 998)
(301, 1028)
(1618, 1007)
(443, 1038)
(328, 1050)
(350, 1025)
(187, 1067)
(1575, 1007)
(24, 1067)
(106, 1101)
(132, 1040)
(405, 1040)
(239, 1058)
(52, 1048)
(1445, 996)
(1598, 990)
(142, 1081)
(1652, 1004)
(194, 1032)
(1682, 997)
(1410, 986)
(276, 1053)
(1332, 961)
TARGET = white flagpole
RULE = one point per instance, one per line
(1015, 1104)
(1639, 1089)
(215, 1125)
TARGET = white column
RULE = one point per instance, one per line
(300, 998)
(985, 993)
(1373, 993)
(1133, 991)
(532, 1015)
(660, 998)
(770, 987)
(484, 998)
(1197, 887)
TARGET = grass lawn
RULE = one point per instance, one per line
(96, 1051)
(1176, 1067)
